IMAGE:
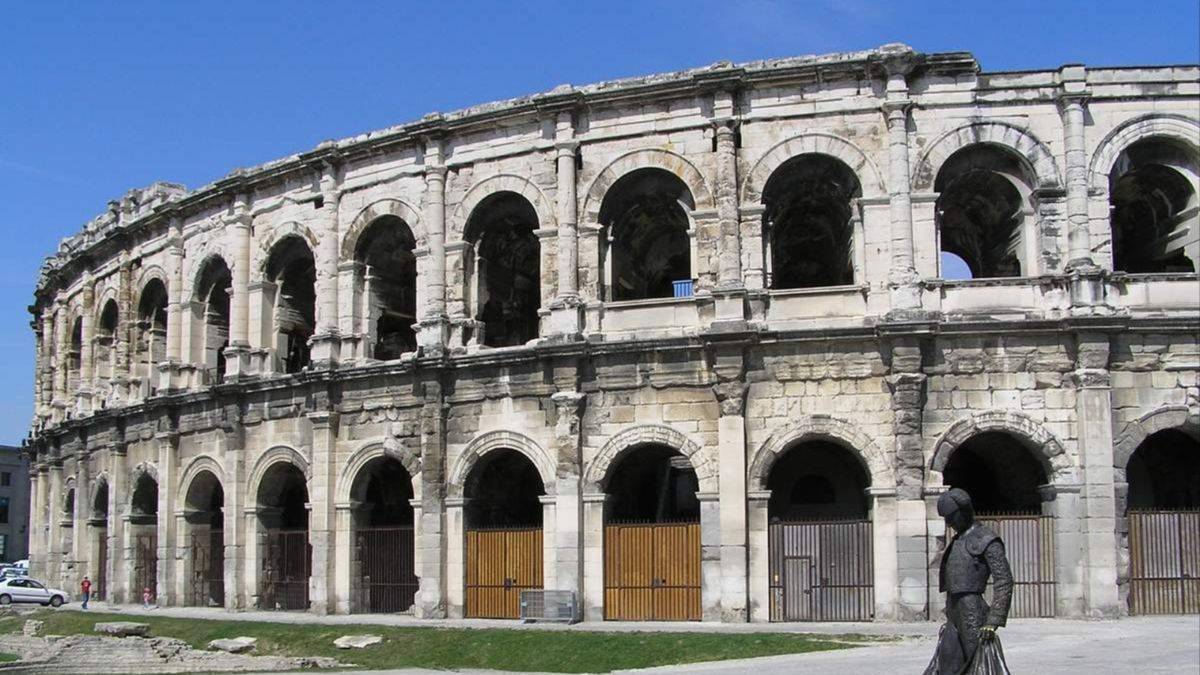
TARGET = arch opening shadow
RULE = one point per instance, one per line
(204, 518)
(653, 484)
(292, 271)
(982, 209)
(818, 480)
(384, 567)
(999, 472)
(388, 283)
(1154, 208)
(505, 279)
(807, 222)
(211, 314)
(648, 247)
(284, 550)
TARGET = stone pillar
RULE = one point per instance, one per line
(62, 359)
(168, 462)
(251, 551)
(81, 549)
(455, 606)
(907, 384)
(176, 308)
(433, 327)
(432, 548)
(325, 341)
(1072, 99)
(321, 514)
(54, 542)
(233, 459)
(344, 603)
(902, 277)
(1093, 412)
(566, 311)
(36, 485)
(568, 517)
(593, 556)
(731, 450)
(118, 568)
(730, 292)
(237, 353)
(710, 555)
(87, 354)
(549, 541)
(884, 540)
(759, 579)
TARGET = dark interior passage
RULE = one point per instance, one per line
(653, 484)
(502, 490)
(1164, 472)
(999, 472)
(818, 480)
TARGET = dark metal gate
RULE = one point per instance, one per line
(1029, 543)
(821, 571)
(208, 568)
(652, 572)
(1164, 556)
(145, 565)
(500, 564)
(285, 569)
(387, 579)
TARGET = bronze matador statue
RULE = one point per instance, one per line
(974, 554)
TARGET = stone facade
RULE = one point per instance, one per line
(145, 369)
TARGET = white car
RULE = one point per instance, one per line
(24, 589)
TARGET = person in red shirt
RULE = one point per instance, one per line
(86, 588)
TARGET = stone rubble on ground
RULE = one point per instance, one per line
(33, 628)
(237, 645)
(123, 629)
(356, 641)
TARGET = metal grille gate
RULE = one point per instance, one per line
(652, 572)
(1164, 552)
(822, 571)
(387, 580)
(208, 568)
(1029, 543)
(145, 564)
(500, 564)
(286, 567)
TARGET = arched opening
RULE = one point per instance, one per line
(292, 275)
(143, 523)
(503, 518)
(204, 518)
(284, 552)
(1004, 478)
(75, 355)
(652, 537)
(1155, 216)
(151, 343)
(211, 314)
(384, 568)
(504, 269)
(388, 284)
(807, 222)
(983, 208)
(1163, 512)
(98, 540)
(106, 341)
(648, 252)
(821, 563)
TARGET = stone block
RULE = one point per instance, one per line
(237, 645)
(357, 641)
(123, 629)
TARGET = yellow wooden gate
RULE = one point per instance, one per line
(500, 564)
(652, 572)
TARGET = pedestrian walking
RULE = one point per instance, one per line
(86, 588)
(147, 596)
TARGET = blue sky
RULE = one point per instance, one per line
(101, 97)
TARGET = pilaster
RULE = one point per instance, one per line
(567, 539)
(168, 463)
(907, 383)
(325, 340)
(902, 276)
(433, 328)
(237, 353)
(321, 533)
(433, 532)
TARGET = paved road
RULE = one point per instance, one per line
(1130, 646)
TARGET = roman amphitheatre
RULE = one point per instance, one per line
(682, 347)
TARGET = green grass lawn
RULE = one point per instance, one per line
(457, 648)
